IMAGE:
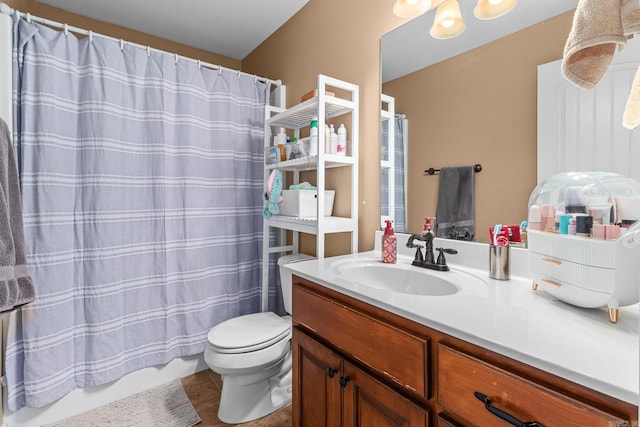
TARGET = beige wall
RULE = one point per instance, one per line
(479, 107)
(340, 39)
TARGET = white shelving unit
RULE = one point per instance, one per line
(324, 107)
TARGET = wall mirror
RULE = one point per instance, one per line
(472, 99)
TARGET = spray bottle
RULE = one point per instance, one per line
(389, 244)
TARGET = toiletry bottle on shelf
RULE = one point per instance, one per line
(282, 141)
(313, 137)
(342, 140)
(389, 244)
(282, 137)
(327, 139)
(334, 139)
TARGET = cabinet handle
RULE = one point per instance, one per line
(503, 415)
(552, 261)
(344, 381)
(552, 283)
(331, 372)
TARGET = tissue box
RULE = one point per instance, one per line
(302, 203)
(313, 93)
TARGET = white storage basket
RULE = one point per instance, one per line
(302, 203)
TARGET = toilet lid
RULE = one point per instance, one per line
(250, 332)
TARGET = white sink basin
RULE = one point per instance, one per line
(404, 278)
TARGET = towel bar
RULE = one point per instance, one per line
(431, 171)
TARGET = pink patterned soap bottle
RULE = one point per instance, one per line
(389, 244)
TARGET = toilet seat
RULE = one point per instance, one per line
(251, 332)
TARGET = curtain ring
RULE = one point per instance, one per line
(148, 51)
(175, 58)
(199, 65)
(28, 17)
(121, 44)
(238, 74)
(219, 71)
(66, 29)
(90, 35)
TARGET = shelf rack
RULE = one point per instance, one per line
(324, 107)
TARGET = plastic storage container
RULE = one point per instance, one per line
(597, 266)
(302, 203)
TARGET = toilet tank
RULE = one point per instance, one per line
(286, 276)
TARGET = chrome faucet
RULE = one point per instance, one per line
(429, 260)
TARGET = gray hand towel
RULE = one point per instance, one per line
(455, 215)
(16, 286)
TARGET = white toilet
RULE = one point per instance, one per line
(252, 354)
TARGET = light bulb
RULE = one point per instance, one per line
(448, 23)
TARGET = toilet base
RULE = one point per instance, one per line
(241, 402)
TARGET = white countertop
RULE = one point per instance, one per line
(508, 317)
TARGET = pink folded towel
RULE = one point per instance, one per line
(630, 17)
(631, 25)
(631, 116)
(596, 32)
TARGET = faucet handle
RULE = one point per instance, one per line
(449, 251)
(413, 237)
(441, 260)
(418, 257)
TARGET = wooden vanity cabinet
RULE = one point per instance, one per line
(355, 364)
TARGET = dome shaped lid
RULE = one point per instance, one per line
(249, 332)
(576, 192)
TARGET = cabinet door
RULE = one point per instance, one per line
(368, 402)
(316, 387)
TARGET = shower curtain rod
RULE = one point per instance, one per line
(7, 10)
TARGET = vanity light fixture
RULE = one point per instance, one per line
(448, 22)
(491, 9)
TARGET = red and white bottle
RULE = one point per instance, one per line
(389, 244)
(342, 141)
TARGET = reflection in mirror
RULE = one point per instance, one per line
(393, 146)
(474, 104)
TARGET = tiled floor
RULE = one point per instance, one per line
(203, 389)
